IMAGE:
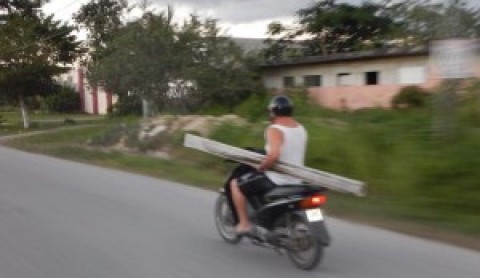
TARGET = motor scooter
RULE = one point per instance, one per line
(288, 219)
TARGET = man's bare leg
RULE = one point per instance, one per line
(240, 203)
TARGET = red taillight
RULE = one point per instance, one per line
(313, 201)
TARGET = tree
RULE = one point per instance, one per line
(423, 21)
(28, 8)
(281, 43)
(33, 49)
(331, 27)
(139, 58)
(184, 67)
(101, 18)
(222, 74)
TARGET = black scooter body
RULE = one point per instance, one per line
(284, 200)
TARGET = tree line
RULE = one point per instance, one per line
(329, 26)
(183, 66)
(190, 65)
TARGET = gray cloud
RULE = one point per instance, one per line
(243, 11)
(240, 11)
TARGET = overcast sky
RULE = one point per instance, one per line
(238, 18)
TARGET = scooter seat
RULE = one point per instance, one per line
(283, 191)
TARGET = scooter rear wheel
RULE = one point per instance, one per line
(305, 250)
(224, 220)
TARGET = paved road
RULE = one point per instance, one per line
(68, 220)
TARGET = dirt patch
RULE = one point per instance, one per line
(153, 136)
(202, 125)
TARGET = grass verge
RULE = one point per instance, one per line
(72, 144)
(11, 121)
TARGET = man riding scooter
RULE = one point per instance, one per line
(286, 141)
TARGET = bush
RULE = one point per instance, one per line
(114, 134)
(63, 100)
(214, 110)
(127, 105)
(303, 106)
(410, 97)
(254, 107)
(35, 103)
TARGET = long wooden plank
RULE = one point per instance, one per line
(310, 175)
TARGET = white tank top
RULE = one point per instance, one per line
(292, 151)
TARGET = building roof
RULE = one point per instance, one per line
(349, 56)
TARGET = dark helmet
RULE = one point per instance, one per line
(281, 106)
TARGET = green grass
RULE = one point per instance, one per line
(14, 116)
(11, 121)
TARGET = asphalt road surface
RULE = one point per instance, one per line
(67, 220)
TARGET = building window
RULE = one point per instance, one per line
(371, 77)
(288, 82)
(344, 79)
(312, 80)
(411, 75)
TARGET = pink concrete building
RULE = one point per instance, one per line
(353, 80)
(94, 99)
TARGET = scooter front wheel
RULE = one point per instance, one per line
(225, 221)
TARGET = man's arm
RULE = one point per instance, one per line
(274, 141)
